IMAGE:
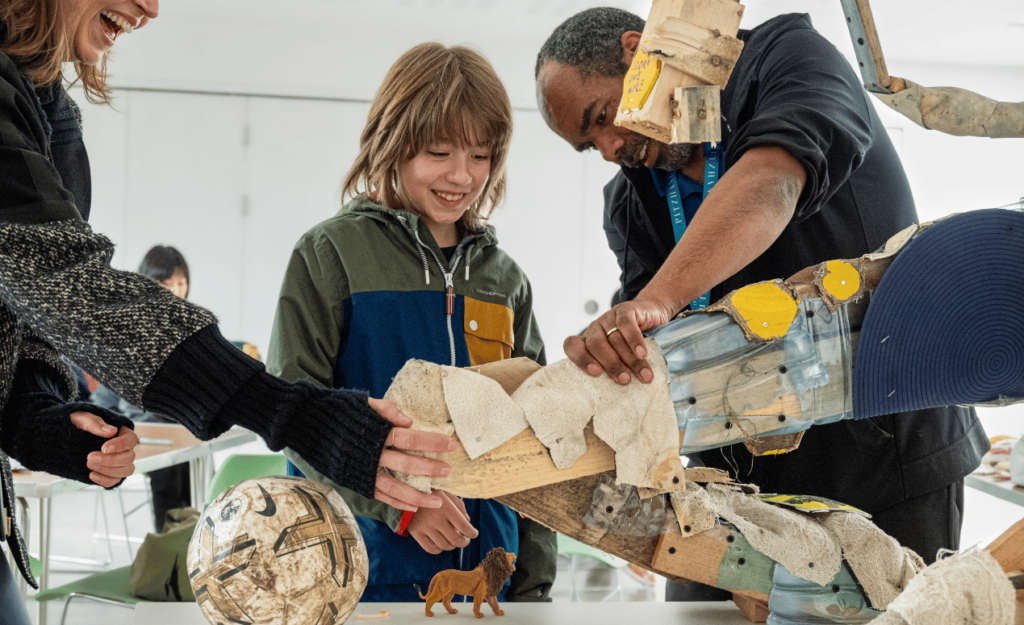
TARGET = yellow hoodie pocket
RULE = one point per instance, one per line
(489, 334)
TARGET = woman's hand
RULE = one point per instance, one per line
(116, 459)
(388, 489)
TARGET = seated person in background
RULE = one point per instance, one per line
(166, 265)
(410, 269)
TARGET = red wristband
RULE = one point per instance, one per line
(403, 525)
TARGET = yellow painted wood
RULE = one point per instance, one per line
(767, 309)
(842, 280)
(639, 82)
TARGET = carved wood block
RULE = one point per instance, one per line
(697, 115)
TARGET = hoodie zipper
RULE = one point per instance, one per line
(449, 285)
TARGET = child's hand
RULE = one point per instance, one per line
(444, 528)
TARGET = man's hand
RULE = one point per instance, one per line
(614, 342)
(444, 528)
(116, 459)
(388, 489)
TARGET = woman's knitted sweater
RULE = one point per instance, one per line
(59, 295)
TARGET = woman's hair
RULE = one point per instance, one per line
(161, 262)
(37, 39)
(433, 93)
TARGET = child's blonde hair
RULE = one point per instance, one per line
(433, 93)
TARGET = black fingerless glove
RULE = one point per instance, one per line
(36, 425)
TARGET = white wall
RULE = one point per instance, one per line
(234, 128)
(233, 181)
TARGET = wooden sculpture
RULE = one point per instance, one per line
(687, 52)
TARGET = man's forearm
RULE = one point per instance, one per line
(740, 219)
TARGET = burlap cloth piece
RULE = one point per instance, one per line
(800, 544)
(694, 509)
(637, 420)
(881, 565)
(482, 412)
(419, 393)
(965, 589)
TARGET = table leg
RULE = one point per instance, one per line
(45, 514)
(197, 482)
(26, 534)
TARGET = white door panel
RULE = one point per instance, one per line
(185, 181)
(299, 153)
(105, 131)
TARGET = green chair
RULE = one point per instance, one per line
(240, 467)
(575, 550)
(110, 587)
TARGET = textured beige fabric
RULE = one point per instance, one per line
(559, 401)
(882, 567)
(419, 392)
(964, 589)
(482, 412)
(637, 420)
(957, 111)
(802, 545)
(694, 509)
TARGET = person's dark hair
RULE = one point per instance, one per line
(161, 262)
(591, 41)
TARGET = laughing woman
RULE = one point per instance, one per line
(59, 297)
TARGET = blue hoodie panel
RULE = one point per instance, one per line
(384, 329)
(398, 564)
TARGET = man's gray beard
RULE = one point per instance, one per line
(674, 156)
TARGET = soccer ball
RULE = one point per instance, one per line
(278, 550)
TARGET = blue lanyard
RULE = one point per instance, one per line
(713, 160)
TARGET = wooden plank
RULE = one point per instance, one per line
(1008, 548)
(705, 54)
(755, 610)
(873, 43)
(697, 557)
(520, 463)
(725, 14)
(563, 506)
(698, 115)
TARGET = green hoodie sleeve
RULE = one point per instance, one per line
(305, 340)
(306, 334)
(529, 343)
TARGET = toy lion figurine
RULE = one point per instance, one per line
(483, 582)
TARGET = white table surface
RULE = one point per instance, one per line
(1007, 490)
(560, 613)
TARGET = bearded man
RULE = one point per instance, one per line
(809, 175)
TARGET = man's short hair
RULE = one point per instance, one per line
(591, 41)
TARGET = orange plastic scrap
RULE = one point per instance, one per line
(369, 617)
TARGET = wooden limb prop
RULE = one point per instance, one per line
(1008, 548)
(686, 44)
